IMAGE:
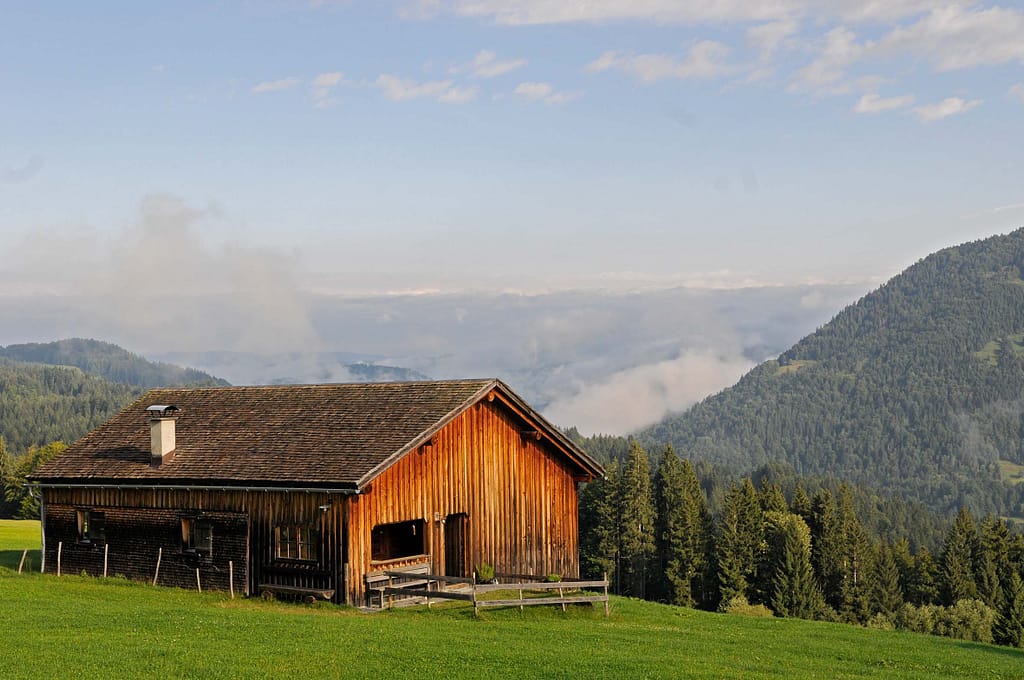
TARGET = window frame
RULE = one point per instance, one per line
(196, 536)
(92, 526)
(302, 540)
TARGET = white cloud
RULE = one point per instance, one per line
(544, 92)
(630, 399)
(767, 38)
(876, 10)
(839, 50)
(954, 38)
(322, 86)
(527, 12)
(404, 89)
(872, 103)
(947, 107)
(486, 65)
(1017, 91)
(706, 59)
(275, 85)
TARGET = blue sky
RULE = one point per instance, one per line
(531, 145)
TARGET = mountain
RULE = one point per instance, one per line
(41, 404)
(58, 391)
(108, 361)
(915, 389)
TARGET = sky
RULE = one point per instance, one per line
(617, 205)
(435, 145)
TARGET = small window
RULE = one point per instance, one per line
(394, 541)
(196, 536)
(297, 542)
(91, 526)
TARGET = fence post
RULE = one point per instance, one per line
(60, 548)
(22, 563)
(476, 607)
(199, 586)
(606, 593)
(106, 550)
(231, 578)
(156, 574)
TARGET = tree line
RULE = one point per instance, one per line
(16, 501)
(806, 556)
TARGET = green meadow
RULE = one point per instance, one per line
(83, 627)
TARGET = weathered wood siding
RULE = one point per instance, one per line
(141, 522)
(518, 494)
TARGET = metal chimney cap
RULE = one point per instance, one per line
(162, 410)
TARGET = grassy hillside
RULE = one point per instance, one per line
(110, 628)
(914, 389)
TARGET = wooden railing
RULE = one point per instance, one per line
(570, 591)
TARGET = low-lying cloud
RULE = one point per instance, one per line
(636, 397)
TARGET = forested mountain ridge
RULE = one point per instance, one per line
(41, 404)
(916, 389)
(58, 391)
(109, 361)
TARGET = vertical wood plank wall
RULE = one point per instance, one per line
(141, 522)
(518, 493)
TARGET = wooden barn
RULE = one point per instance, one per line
(314, 488)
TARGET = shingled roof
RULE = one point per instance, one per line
(313, 436)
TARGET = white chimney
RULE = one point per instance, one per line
(161, 438)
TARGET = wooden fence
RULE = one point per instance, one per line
(436, 587)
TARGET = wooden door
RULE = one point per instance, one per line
(456, 531)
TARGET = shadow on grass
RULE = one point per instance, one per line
(11, 558)
(983, 648)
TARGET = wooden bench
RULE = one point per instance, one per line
(269, 590)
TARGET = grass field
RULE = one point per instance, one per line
(15, 537)
(102, 628)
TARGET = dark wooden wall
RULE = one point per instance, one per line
(140, 522)
(519, 496)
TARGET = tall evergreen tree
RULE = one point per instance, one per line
(925, 583)
(636, 522)
(1009, 624)
(792, 588)
(958, 560)
(599, 525)
(740, 533)
(827, 549)
(992, 564)
(681, 525)
(857, 560)
(886, 592)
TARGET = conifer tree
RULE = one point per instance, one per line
(958, 560)
(740, 533)
(801, 504)
(1009, 624)
(886, 593)
(925, 579)
(992, 564)
(827, 549)
(599, 530)
(792, 588)
(681, 525)
(770, 497)
(636, 522)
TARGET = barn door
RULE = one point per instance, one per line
(455, 544)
